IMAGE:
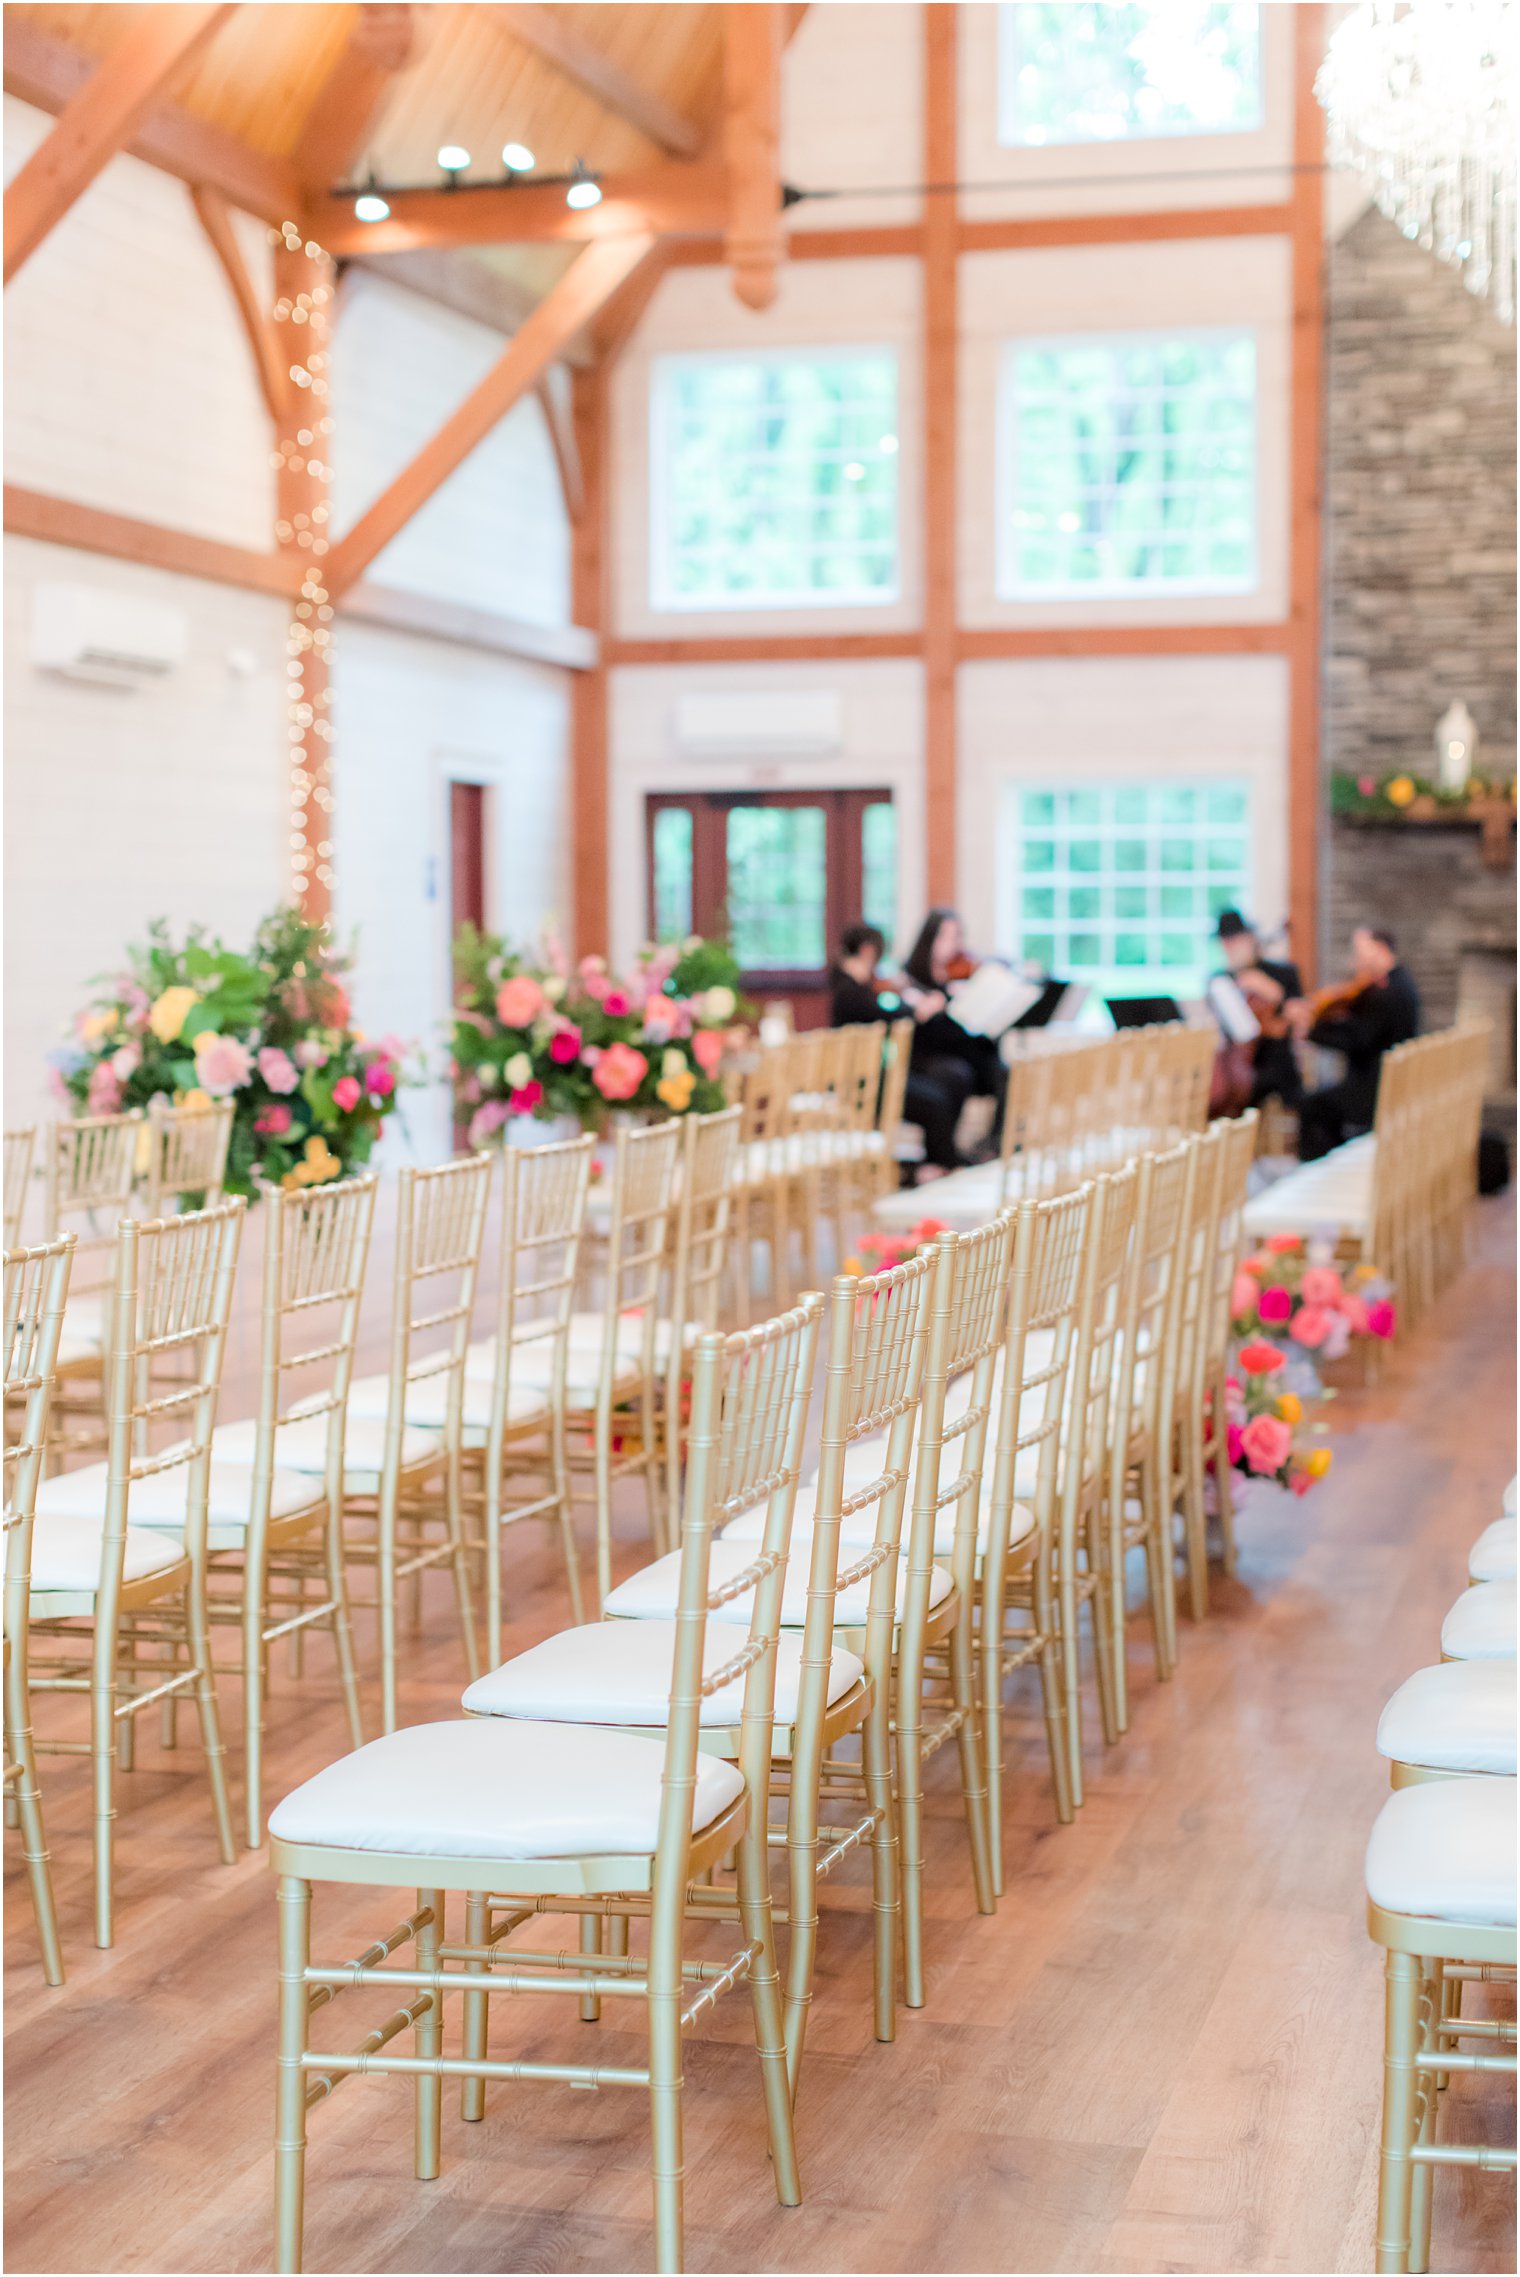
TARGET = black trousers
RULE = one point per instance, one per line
(1327, 1118)
(937, 1091)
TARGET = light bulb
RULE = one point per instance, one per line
(854, 471)
(888, 446)
(583, 191)
(453, 158)
(518, 158)
(371, 207)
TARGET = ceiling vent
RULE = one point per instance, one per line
(114, 640)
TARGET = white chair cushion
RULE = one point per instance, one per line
(533, 1368)
(1459, 1716)
(857, 1529)
(588, 1328)
(652, 1593)
(1481, 1624)
(428, 1404)
(1446, 1849)
(618, 1672)
(1509, 1497)
(160, 1499)
(66, 1556)
(490, 1787)
(301, 1445)
(1492, 1556)
(963, 1201)
(1332, 1195)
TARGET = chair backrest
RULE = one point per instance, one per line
(440, 1230)
(171, 1299)
(19, 1145)
(750, 1396)
(1094, 1358)
(645, 1164)
(859, 1074)
(1237, 1151)
(36, 1291)
(543, 1217)
(709, 1157)
(1147, 1349)
(966, 1311)
(1050, 1244)
(894, 1079)
(187, 1157)
(89, 1169)
(316, 1248)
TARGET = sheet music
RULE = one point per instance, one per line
(1230, 1009)
(991, 1000)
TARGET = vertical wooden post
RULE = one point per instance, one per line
(755, 35)
(589, 389)
(1306, 477)
(940, 375)
(303, 283)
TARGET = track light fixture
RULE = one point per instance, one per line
(584, 190)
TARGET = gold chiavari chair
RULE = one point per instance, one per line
(89, 1170)
(36, 1290)
(530, 1818)
(1018, 1619)
(513, 1429)
(617, 1672)
(19, 1146)
(187, 1157)
(102, 1583)
(761, 1186)
(612, 1378)
(1048, 1117)
(1224, 1246)
(698, 1264)
(405, 1512)
(892, 1094)
(1144, 1403)
(270, 1524)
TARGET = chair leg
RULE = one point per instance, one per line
(802, 1905)
(343, 1636)
(665, 2115)
(602, 1432)
(973, 1785)
(765, 1990)
(1053, 1693)
(210, 1722)
(591, 1942)
(990, 1655)
(476, 2019)
(459, 1560)
(385, 1592)
(254, 1652)
(1400, 2086)
(1071, 1681)
(1422, 2177)
(1195, 1524)
(1115, 1607)
(103, 1766)
(886, 1904)
(427, 2038)
(290, 2089)
(28, 1800)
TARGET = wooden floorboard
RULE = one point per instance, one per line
(1162, 2053)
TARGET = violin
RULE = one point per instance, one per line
(1338, 997)
(961, 967)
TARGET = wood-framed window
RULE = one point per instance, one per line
(777, 873)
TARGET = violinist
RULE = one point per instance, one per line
(1269, 985)
(1361, 1019)
(936, 1091)
(938, 959)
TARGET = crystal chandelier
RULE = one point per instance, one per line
(1420, 95)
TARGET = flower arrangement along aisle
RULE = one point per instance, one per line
(880, 1252)
(1291, 1310)
(536, 1036)
(269, 1030)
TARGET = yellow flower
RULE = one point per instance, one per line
(171, 1011)
(1290, 1407)
(1318, 1462)
(94, 1025)
(319, 1165)
(196, 1098)
(1400, 791)
(676, 1090)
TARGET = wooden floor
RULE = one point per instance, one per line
(1162, 2053)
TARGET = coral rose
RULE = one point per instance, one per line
(1322, 1286)
(1260, 1359)
(1266, 1445)
(1283, 1244)
(1276, 1305)
(347, 1092)
(519, 1001)
(619, 1071)
(707, 1050)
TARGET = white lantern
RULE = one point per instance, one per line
(1456, 746)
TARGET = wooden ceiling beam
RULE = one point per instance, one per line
(48, 74)
(215, 217)
(560, 421)
(547, 32)
(754, 38)
(675, 199)
(101, 119)
(583, 289)
(355, 92)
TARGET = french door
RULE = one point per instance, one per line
(779, 874)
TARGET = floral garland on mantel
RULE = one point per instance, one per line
(1398, 796)
(534, 1035)
(269, 1029)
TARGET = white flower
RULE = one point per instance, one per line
(719, 1004)
(518, 1070)
(673, 1063)
(553, 986)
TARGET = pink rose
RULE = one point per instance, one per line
(619, 1071)
(1232, 1440)
(1283, 1244)
(1266, 1444)
(278, 1069)
(1276, 1304)
(519, 1001)
(1381, 1318)
(380, 1079)
(1354, 1313)
(274, 1122)
(347, 1092)
(564, 1045)
(595, 983)
(526, 1097)
(1300, 1481)
(1322, 1286)
(707, 1050)
(1311, 1327)
(616, 1004)
(222, 1064)
(1243, 1295)
(487, 1119)
(1367, 785)
(105, 1091)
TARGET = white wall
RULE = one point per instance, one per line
(852, 114)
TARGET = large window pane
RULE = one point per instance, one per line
(878, 866)
(1121, 888)
(1128, 464)
(777, 900)
(1104, 71)
(672, 873)
(774, 480)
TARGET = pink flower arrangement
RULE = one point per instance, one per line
(519, 1001)
(278, 1069)
(1285, 1289)
(619, 1071)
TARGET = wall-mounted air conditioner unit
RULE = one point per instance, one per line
(760, 723)
(115, 640)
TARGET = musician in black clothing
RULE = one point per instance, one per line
(940, 1043)
(1384, 1010)
(937, 1089)
(1268, 984)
